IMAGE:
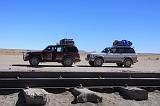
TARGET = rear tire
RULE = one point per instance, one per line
(119, 64)
(67, 62)
(98, 62)
(127, 63)
(34, 61)
(91, 63)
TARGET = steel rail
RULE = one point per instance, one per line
(20, 80)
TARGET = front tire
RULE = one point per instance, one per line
(67, 62)
(91, 63)
(127, 63)
(98, 62)
(34, 61)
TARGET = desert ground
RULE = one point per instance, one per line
(12, 60)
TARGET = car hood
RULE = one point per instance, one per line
(35, 51)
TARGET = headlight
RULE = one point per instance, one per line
(26, 55)
(91, 56)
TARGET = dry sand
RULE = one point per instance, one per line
(146, 63)
(14, 62)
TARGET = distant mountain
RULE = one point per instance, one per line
(20, 51)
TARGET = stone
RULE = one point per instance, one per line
(133, 93)
(35, 96)
(82, 95)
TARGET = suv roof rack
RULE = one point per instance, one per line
(66, 42)
(126, 43)
(123, 46)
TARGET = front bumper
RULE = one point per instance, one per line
(89, 59)
(25, 57)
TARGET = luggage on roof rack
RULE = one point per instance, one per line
(67, 42)
(122, 43)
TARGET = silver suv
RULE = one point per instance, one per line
(121, 55)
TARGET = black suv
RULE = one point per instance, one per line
(65, 54)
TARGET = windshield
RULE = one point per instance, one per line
(49, 48)
(106, 50)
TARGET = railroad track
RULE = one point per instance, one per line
(20, 80)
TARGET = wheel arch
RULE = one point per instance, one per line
(37, 56)
(68, 56)
(99, 57)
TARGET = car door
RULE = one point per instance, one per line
(110, 55)
(113, 55)
(59, 53)
(121, 54)
(48, 54)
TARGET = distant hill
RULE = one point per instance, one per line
(20, 52)
(11, 51)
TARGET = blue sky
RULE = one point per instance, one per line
(93, 24)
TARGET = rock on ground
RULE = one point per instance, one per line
(84, 95)
(134, 93)
(35, 96)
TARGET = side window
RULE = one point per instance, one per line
(75, 49)
(131, 50)
(127, 50)
(121, 50)
(59, 49)
(53, 49)
(106, 50)
(113, 50)
(49, 48)
(71, 49)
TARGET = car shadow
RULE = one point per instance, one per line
(21, 101)
(39, 66)
(102, 66)
(56, 91)
(8, 91)
(104, 90)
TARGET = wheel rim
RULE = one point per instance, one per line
(99, 62)
(68, 62)
(34, 61)
(128, 63)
